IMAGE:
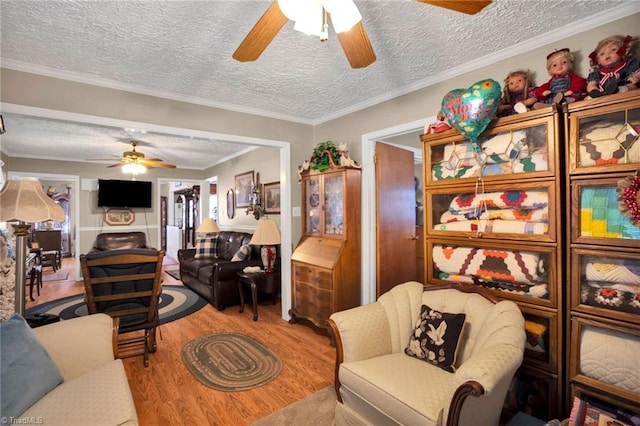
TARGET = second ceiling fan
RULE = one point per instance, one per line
(312, 16)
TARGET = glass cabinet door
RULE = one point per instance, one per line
(334, 205)
(313, 208)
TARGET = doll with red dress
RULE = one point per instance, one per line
(615, 68)
(564, 85)
(517, 95)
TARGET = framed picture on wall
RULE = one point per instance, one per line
(244, 184)
(272, 198)
(119, 217)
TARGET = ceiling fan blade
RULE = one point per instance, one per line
(118, 164)
(261, 34)
(470, 7)
(357, 47)
(160, 163)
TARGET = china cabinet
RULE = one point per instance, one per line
(325, 266)
(493, 218)
(602, 187)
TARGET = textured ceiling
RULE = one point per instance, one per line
(182, 50)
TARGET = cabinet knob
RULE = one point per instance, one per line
(415, 238)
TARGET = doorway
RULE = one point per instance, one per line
(396, 136)
(285, 173)
(72, 188)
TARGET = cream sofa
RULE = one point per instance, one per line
(95, 390)
(377, 383)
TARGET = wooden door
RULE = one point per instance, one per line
(396, 217)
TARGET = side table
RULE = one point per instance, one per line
(33, 266)
(266, 283)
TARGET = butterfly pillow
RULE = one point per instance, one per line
(435, 337)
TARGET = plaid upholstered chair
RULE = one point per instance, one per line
(126, 284)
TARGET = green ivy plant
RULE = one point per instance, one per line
(320, 160)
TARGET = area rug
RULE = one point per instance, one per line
(230, 362)
(317, 409)
(176, 302)
(175, 273)
(56, 276)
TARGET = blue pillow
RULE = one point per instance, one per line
(28, 372)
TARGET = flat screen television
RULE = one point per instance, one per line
(124, 193)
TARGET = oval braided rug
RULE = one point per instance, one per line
(230, 362)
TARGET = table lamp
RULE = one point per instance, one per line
(208, 226)
(25, 202)
(266, 235)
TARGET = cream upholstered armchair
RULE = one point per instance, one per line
(378, 383)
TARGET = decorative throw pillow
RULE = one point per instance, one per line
(243, 253)
(435, 337)
(207, 247)
(28, 373)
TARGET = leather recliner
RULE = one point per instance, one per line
(216, 278)
(120, 241)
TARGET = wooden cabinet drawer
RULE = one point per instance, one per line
(606, 282)
(509, 149)
(525, 273)
(606, 358)
(521, 211)
(313, 302)
(316, 277)
(603, 134)
(596, 216)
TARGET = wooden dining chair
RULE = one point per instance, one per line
(50, 241)
(126, 284)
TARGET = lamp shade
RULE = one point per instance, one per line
(25, 201)
(266, 233)
(208, 226)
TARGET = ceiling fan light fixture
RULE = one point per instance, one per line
(294, 9)
(312, 22)
(344, 14)
(134, 168)
(306, 14)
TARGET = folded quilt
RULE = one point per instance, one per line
(533, 290)
(531, 215)
(614, 271)
(600, 215)
(616, 297)
(458, 168)
(610, 143)
(497, 149)
(530, 199)
(496, 226)
(490, 264)
(442, 171)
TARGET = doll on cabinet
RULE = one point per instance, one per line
(564, 85)
(517, 95)
(615, 67)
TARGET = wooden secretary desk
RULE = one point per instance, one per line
(326, 263)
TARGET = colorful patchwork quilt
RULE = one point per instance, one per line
(490, 265)
(501, 154)
(603, 144)
(527, 200)
(612, 284)
(516, 212)
(600, 215)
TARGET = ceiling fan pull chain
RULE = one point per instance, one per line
(325, 26)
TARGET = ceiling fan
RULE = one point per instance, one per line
(135, 162)
(311, 17)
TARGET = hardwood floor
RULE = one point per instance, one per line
(166, 392)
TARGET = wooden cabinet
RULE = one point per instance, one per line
(325, 265)
(494, 218)
(604, 249)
